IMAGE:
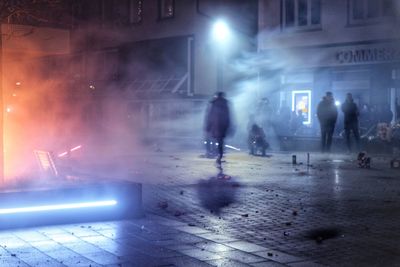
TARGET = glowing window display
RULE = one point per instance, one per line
(301, 100)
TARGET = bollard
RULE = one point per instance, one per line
(294, 160)
(395, 164)
(308, 159)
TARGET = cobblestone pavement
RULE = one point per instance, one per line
(331, 213)
(269, 213)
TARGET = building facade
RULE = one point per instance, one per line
(158, 54)
(343, 46)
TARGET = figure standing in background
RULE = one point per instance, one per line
(327, 115)
(351, 114)
(218, 122)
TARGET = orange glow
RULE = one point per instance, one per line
(43, 115)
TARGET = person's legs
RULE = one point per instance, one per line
(323, 138)
(329, 134)
(347, 134)
(356, 133)
(220, 141)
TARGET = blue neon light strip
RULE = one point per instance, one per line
(59, 207)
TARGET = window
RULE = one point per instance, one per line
(166, 9)
(301, 14)
(136, 11)
(371, 11)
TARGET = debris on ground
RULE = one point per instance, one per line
(270, 254)
(181, 192)
(178, 213)
(163, 204)
(285, 233)
(294, 213)
(288, 223)
(191, 224)
(245, 215)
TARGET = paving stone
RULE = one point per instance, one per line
(182, 247)
(268, 264)
(185, 261)
(103, 258)
(278, 256)
(31, 236)
(64, 238)
(241, 256)
(47, 245)
(13, 242)
(213, 246)
(9, 261)
(227, 263)
(217, 237)
(309, 264)
(192, 230)
(200, 254)
(83, 247)
(245, 246)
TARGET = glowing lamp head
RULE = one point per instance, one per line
(337, 103)
(220, 31)
(18, 83)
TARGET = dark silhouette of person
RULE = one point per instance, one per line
(218, 122)
(257, 140)
(327, 115)
(351, 114)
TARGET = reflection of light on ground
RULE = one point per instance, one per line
(59, 207)
(10, 241)
(337, 178)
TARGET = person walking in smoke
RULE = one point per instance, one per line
(218, 123)
(351, 114)
(327, 115)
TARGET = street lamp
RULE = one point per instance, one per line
(221, 35)
(221, 32)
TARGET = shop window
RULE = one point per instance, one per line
(301, 14)
(301, 101)
(121, 12)
(371, 11)
(166, 9)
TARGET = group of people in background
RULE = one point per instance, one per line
(327, 113)
(353, 119)
(285, 121)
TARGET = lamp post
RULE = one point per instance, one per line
(221, 35)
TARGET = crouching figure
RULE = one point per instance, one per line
(257, 141)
